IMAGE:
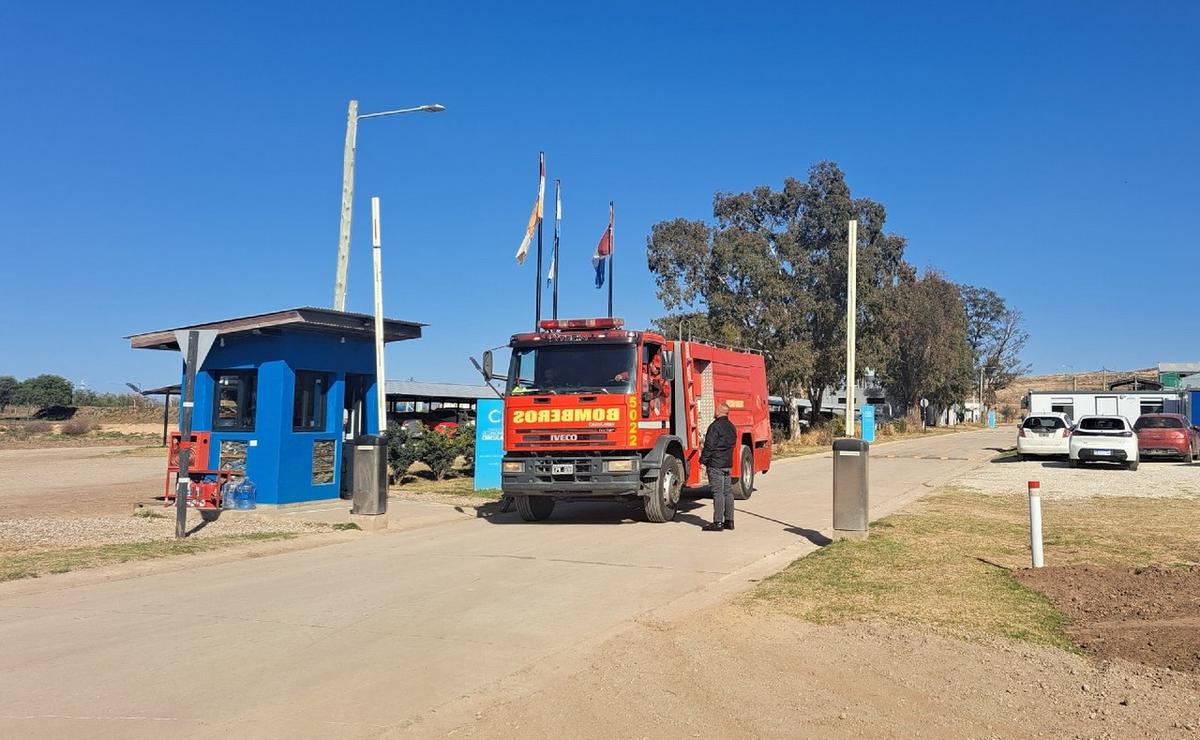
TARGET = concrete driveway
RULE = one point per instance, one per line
(404, 631)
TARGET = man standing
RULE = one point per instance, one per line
(717, 458)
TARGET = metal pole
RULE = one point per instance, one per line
(182, 482)
(612, 257)
(851, 319)
(380, 378)
(343, 259)
(1035, 522)
(166, 415)
(554, 259)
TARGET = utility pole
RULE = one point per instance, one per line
(343, 258)
(851, 319)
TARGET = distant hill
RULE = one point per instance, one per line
(1092, 380)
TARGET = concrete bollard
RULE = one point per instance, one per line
(1035, 522)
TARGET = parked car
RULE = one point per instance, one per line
(1107, 439)
(1167, 435)
(1044, 434)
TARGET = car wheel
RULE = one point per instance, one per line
(1191, 457)
(1131, 466)
(1072, 463)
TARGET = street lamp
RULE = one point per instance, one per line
(352, 119)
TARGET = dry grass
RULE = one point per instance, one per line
(458, 483)
(821, 439)
(946, 561)
(16, 565)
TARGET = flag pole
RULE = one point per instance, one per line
(537, 274)
(554, 260)
(612, 256)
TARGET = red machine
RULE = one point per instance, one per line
(593, 411)
(204, 489)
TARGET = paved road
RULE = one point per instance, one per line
(405, 631)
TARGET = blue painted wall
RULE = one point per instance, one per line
(280, 462)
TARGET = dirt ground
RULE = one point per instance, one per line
(1146, 615)
(732, 672)
(78, 482)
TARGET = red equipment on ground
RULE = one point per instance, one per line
(204, 488)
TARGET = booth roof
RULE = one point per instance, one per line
(306, 319)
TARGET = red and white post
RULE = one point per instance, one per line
(1035, 522)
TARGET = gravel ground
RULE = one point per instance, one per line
(1150, 480)
(45, 534)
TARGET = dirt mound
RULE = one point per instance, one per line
(1147, 615)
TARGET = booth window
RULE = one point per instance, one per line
(234, 400)
(308, 405)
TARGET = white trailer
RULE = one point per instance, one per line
(1130, 404)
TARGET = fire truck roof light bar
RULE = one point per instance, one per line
(576, 324)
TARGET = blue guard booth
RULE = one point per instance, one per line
(281, 392)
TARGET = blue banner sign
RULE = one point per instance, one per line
(868, 423)
(489, 442)
(991, 419)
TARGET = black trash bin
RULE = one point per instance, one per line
(369, 474)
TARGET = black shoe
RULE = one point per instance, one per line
(729, 524)
(714, 527)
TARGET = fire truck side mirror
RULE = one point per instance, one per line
(487, 365)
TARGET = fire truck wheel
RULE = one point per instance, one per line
(745, 484)
(661, 501)
(534, 508)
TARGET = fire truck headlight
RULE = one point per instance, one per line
(514, 467)
(619, 466)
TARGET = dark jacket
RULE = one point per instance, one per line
(718, 444)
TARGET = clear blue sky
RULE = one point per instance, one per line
(1049, 151)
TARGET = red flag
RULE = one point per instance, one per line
(603, 250)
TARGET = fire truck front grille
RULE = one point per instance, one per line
(584, 468)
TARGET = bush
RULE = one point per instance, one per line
(76, 427)
(402, 452)
(45, 390)
(37, 427)
(439, 450)
(8, 390)
(464, 437)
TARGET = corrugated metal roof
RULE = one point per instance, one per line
(452, 391)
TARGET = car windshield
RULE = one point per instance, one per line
(595, 368)
(1043, 423)
(1158, 422)
(1103, 424)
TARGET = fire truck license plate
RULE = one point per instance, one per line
(563, 469)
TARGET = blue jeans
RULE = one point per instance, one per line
(722, 491)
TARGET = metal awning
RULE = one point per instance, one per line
(306, 319)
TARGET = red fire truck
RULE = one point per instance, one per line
(593, 411)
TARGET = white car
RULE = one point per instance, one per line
(1108, 439)
(1044, 434)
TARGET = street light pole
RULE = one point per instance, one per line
(343, 258)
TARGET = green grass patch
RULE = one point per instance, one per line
(17, 565)
(344, 526)
(947, 562)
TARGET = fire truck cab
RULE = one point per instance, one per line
(594, 411)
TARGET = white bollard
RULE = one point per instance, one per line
(1035, 522)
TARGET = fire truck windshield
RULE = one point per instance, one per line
(595, 368)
